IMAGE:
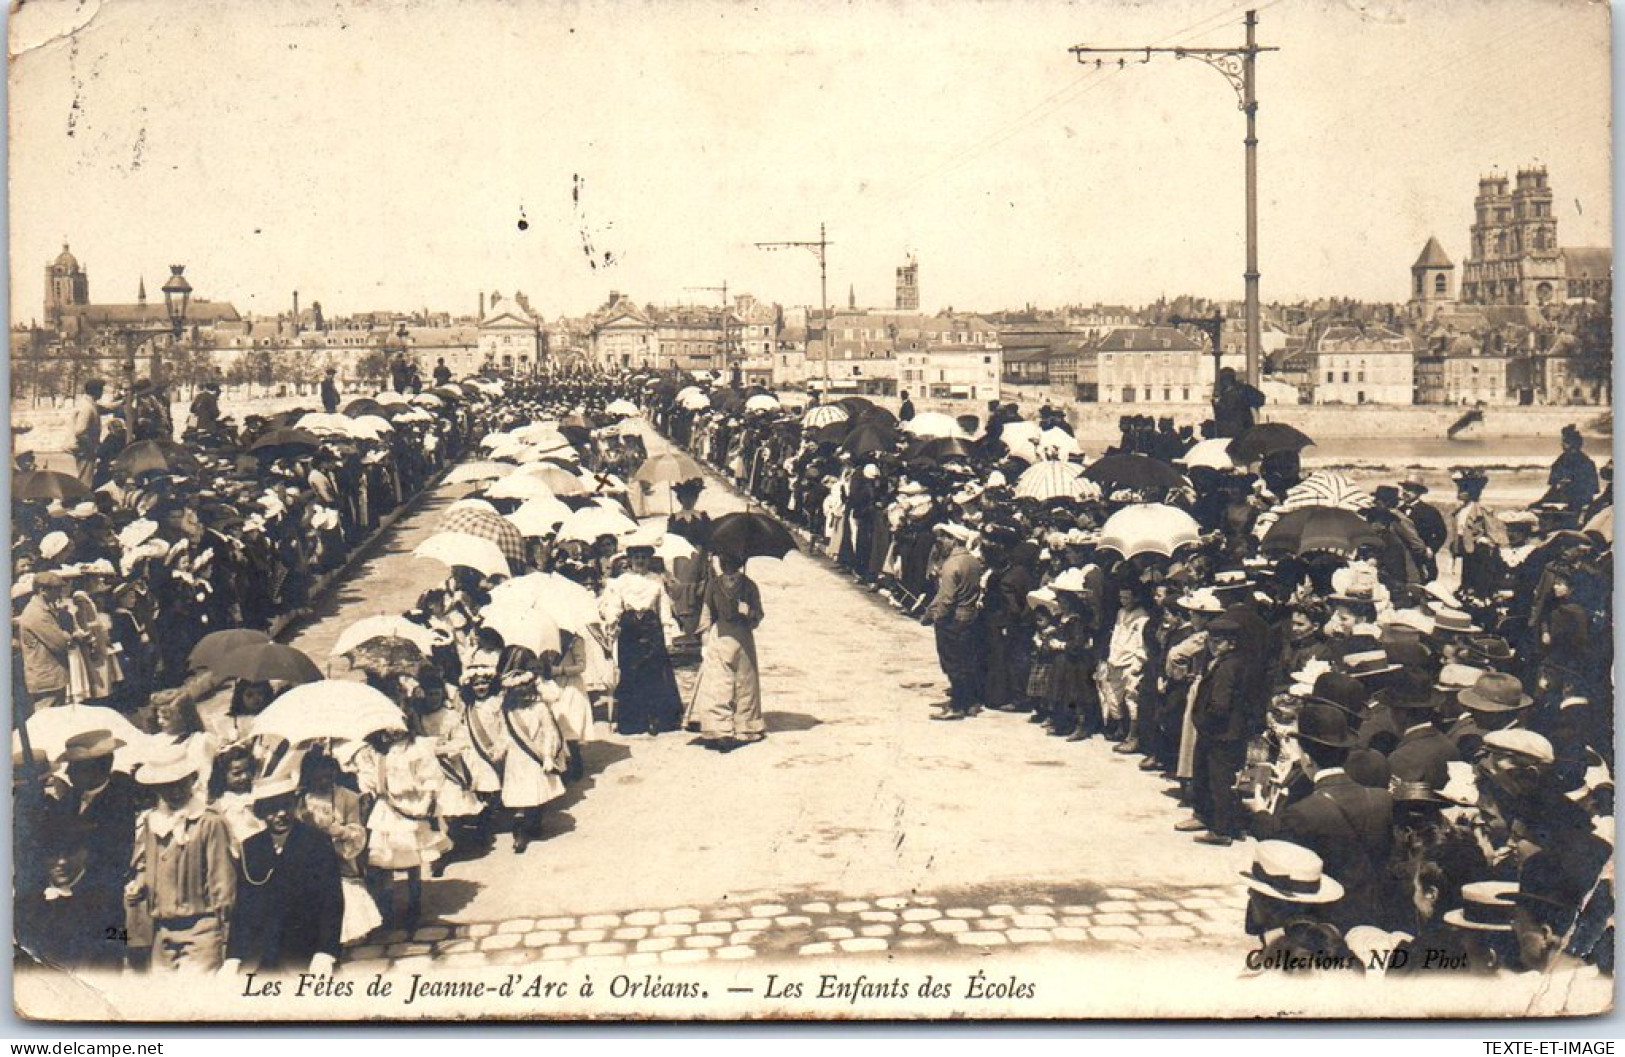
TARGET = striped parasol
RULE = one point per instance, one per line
(824, 415)
(1052, 479)
(1321, 488)
(487, 526)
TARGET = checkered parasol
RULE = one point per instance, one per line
(487, 526)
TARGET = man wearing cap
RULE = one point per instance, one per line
(1349, 825)
(87, 430)
(42, 632)
(290, 896)
(1524, 807)
(185, 882)
(953, 614)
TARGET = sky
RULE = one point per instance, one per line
(407, 154)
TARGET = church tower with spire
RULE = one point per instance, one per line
(1433, 281)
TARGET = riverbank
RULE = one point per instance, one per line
(1355, 425)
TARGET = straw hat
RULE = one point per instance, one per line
(1291, 873)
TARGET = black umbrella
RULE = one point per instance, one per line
(727, 400)
(215, 645)
(289, 418)
(870, 437)
(280, 443)
(364, 406)
(266, 662)
(155, 456)
(446, 392)
(877, 415)
(1266, 439)
(939, 449)
(856, 405)
(833, 433)
(743, 535)
(47, 484)
(1137, 472)
(1329, 529)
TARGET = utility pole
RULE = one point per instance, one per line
(1238, 66)
(819, 249)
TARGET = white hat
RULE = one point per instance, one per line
(23, 587)
(136, 533)
(1071, 581)
(1202, 600)
(53, 544)
(274, 786)
(959, 532)
(1522, 743)
(83, 510)
(1290, 872)
(166, 769)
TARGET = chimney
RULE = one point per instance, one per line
(296, 313)
(482, 306)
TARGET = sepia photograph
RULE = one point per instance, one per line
(928, 510)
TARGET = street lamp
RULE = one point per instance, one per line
(177, 300)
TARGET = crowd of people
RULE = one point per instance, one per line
(1406, 706)
(192, 795)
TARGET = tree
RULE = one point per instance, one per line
(373, 367)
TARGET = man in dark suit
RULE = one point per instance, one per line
(100, 803)
(290, 900)
(1424, 752)
(72, 919)
(1430, 524)
(330, 391)
(1348, 825)
(1224, 715)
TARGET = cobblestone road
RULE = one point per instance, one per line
(857, 827)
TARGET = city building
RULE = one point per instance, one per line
(1074, 372)
(623, 335)
(1160, 365)
(1363, 364)
(510, 337)
(948, 373)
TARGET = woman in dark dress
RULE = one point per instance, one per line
(689, 573)
(636, 605)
